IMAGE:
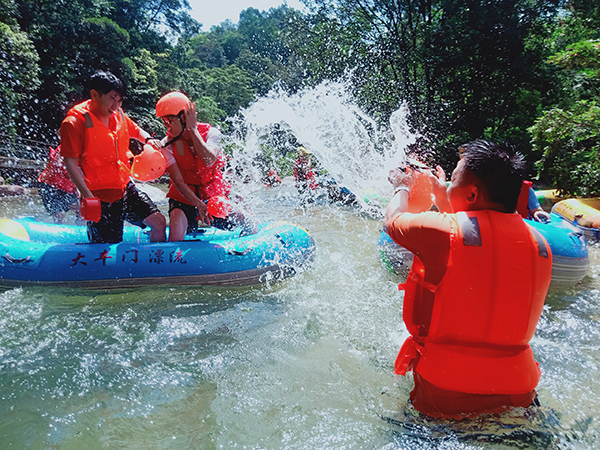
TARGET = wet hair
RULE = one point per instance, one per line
(104, 82)
(499, 167)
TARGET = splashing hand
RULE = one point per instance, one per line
(402, 177)
(438, 187)
(438, 181)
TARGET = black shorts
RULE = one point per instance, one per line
(56, 200)
(134, 207)
(191, 212)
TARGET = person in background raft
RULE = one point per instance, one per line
(95, 146)
(476, 289)
(272, 178)
(529, 206)
(56, 189)
(303, 171)
(195, 165)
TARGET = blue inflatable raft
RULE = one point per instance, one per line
(36, 253)
(570, 260)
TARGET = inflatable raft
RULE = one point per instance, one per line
(581, 212)
(36, 253)
(570, 260)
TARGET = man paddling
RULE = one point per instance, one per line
(476, 288)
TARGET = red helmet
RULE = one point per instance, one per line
(171, 104)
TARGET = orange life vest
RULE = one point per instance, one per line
(485, 308)
(205, 181)
(523, 201)
(55, 174)
(104, 161)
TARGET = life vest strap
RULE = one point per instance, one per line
(415, 279)
(542, 246)
(89, 123)
(470, 229)
(407, 356)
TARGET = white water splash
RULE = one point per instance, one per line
(345, 141)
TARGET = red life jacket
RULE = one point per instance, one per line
(304, 173)
(104, 161)
(55, 174)
(205, 181)
(523, 201)
(485, 308)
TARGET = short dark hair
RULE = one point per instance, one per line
(499, 167)
(104, 82)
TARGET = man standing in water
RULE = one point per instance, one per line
(476, 288)
(95, 143)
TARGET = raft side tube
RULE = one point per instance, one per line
(211, 257)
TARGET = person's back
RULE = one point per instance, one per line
(475, 292)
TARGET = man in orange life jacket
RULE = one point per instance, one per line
(195, 165)
(95, 146)
(476, 289)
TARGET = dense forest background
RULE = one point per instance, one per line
(523, 71)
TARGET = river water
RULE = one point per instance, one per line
(303, 364)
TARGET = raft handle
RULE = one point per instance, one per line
(235, 252)
(10, 259)
(285, 244)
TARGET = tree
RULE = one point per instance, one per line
(463, 68)
(19, 72)
(570, 143)
(75, 38)
(569, 137)
(231, 88)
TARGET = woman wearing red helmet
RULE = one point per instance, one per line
(195, 165)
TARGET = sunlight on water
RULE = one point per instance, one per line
(302, 364)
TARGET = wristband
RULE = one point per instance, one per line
(147, 139)
(402, 188)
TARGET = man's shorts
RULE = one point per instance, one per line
(134, 207)
(191, 212)
(56, 200)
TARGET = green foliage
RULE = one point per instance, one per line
(105, 46)
(581, 55)
(8, 12)
(467, 69)
(263, 72)
(567, 134)
(19, 73)
(206, 52)
(231, 88)
(462, 67)
(570, 142)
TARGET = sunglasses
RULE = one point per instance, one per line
(168, 120)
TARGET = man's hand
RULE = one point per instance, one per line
(438, 187)
(190, 117)
(155, 143)
(203, 215)
(402, 177)
(438, 182)
(539, 215)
